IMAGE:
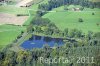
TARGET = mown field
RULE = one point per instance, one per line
(9, 33)
(69, 19)
(13, 9)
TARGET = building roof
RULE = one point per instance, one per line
(24, 2)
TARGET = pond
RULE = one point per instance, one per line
(40, 41)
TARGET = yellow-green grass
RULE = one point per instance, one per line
(8, 33)
(13, 9)
(38, 1)
(35, 6)
(69, 19)
(27, 22)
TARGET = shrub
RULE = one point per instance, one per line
(80, 20)
(93, 14)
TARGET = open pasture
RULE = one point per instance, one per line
(70, 19)
(8, 33)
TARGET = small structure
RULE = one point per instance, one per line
(25, 3)
(75, 9)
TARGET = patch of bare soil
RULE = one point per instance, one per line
(12, 19)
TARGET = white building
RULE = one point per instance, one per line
(25, 3)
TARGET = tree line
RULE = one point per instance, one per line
(56, 3)
(45, 26)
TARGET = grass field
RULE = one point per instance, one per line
(29, 20)
(21, 10)
(35, 6)
(69, 19)
(13, 10)
(17, 10)
(8, 33)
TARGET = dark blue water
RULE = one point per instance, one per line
(39, 42)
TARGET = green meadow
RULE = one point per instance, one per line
(9, 33)
(69, 19)
(13, 9)
(35, 6)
